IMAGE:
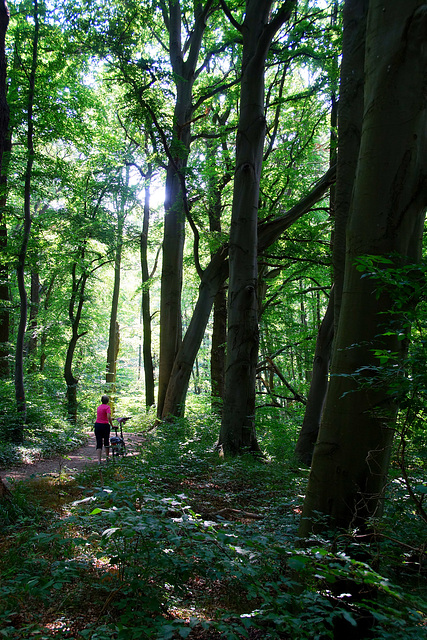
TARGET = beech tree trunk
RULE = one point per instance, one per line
(219, 320)
(32, 318)
(145, 303)
(114, 329)
(318, 387)
(213, 278)
(173, 238)
(352, 454)
(238, 419)
(20, 268)
(219, 337)
(5, 146)
(350, 116)
(350, 113)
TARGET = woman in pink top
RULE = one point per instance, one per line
(102, 428)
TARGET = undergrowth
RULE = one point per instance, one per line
(178, 543)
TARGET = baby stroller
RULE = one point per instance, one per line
(117, 443)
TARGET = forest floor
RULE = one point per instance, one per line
(175, 542)
(68, 464)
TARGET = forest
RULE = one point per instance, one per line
(213, 211)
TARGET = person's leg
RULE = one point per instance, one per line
(107, 442)
(98, 435)
(105, 438)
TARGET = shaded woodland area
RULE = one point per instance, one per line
(213, 211)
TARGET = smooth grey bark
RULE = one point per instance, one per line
(32, 317)
(219, 336)
(318, 387)
(350, 112)
(238, 420)
(20, 268)
(219, 317)
(350, 116)
(213, 277)
(184, 69)
(145, 302)
(5, 147)
(352, 454)
(114, 328)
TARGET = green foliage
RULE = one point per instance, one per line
(405, 375)
(176, 543)
(46, 432)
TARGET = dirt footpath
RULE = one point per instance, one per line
(74, 462)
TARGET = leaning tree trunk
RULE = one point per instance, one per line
(5, 147)
(213, 278)
(352, 454)
(238, 421)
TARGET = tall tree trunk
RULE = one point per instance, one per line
(5, 147)
(219, 337)
(318, 387)
(145, 303)
(320, 374)
(213, 278)
(114, 329)
(352, 454)
(238, 420)
(74, 313)
(173, 239)
(350, 115)
(219, 321)
(20, 269)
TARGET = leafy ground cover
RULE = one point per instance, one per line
(178, 543)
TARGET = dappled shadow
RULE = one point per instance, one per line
(69, 464)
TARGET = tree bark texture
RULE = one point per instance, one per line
(318, 387)
(350, 116)
(219, 337)
(114, 329)
(174, 226)
(213, 277)
(20, 268)
(219, 320)
(5, 145)
(238, 420)
(145, 303)
(352, 454)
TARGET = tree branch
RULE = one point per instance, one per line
(229, 15)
